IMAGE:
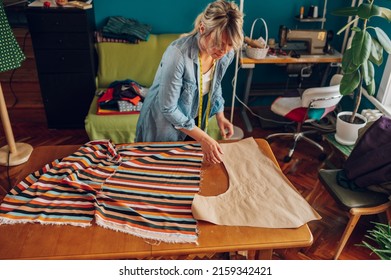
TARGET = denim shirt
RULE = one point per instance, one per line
(173, 99)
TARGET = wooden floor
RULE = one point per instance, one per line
(29, 126)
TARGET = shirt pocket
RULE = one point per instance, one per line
(187, 94)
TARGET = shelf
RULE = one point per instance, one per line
(319, 19)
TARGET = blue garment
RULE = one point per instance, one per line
(173, 99)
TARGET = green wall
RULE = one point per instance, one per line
(177, 16)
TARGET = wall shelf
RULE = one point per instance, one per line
(320, 19)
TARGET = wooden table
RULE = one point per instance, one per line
(249, 64)
(35, 241)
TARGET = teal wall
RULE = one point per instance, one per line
(177, 16)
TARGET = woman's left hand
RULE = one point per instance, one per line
(225, 126)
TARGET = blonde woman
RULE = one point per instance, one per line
(187, 91)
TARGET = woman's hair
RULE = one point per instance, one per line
(219, 17)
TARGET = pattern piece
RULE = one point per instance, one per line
(144, 190)
(259, 194)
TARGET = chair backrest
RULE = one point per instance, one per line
(323, 97)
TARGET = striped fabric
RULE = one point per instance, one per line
(144, 190)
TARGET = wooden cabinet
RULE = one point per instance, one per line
(63, 42)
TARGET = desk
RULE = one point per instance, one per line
(249, 64)
(34, 241)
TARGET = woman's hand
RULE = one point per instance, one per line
(225, 126)
(212, 150)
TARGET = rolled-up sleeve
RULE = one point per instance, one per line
(171, 86)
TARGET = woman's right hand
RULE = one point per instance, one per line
(210, 147)
(211, 150)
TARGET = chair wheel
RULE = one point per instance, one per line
(322, 156)
(287, 159)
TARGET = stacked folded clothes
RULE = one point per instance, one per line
(122, 97)
(123, 29)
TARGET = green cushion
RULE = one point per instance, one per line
(118, 128)
(122, 128)
(138, 62)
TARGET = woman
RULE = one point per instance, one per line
(186, 91)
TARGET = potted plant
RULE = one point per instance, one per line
(381, 234)
(366, 49)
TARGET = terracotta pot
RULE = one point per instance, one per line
(346, 132)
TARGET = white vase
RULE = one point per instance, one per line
(346, 132)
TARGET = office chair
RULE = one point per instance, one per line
(313, 104)
(358, 203)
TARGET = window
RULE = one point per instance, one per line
(383, 97)
(384, 93)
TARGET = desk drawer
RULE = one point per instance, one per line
(76, 21)
(74, 61)
(62, 41)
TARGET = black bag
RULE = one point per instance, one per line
(369, 163)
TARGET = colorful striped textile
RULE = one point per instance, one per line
(144, 190)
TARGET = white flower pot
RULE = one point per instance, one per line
(347, 133)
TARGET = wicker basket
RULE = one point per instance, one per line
(258, 53)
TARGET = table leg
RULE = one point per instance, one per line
(247, 89)
(265, 254)
(325, 75)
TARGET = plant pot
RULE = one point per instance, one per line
(346, 132)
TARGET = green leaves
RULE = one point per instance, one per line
(361, 47)
(385, 13)
(346, 11)
(357, 61)
(349, 82)
(383, 39)
(366, 48)
(347, 62)
(366, 11)
(358, 53)
(376, 55)
(381, 234)
(368, 74)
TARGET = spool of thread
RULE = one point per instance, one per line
(311, 11)
(315, 15)
(302, 12)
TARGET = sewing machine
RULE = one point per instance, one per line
(314, 40)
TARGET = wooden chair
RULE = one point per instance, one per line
(358, 203)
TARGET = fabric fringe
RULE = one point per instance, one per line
(6, 221)
(161, 237)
